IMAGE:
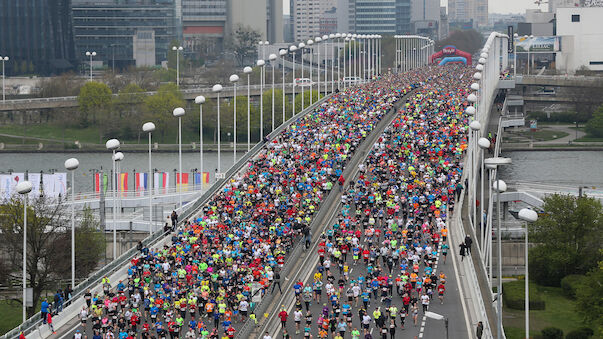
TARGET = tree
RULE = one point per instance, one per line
(588, 296)
(94, 100)
(159, 107)
(243, 43)
(594, 126)
(585, 100)
(567, 238)
(469, 41)
(48, 261)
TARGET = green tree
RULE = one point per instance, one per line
(243, 43)
(588, 297)
(94, 100)
(567, 238)
(594, 126)
(469, 41)
(48, 254)
(159, 107)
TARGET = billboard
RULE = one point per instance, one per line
(537, 44)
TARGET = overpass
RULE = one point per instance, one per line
(188, 94)
(559, 80)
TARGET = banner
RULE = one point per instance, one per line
(36, 185)
(162, 182)
(123, 183)
(182, 185)
(100, 182)
(49, 185)
(201, 179)
(55, 185)
(537, 44)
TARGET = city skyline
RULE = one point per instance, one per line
(494, 6)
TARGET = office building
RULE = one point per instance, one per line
(425, 17)
(328, 22)
(537, 23)
(306, 19)
(474, 12)
(386, 17)
(122, 31)
(37, 36)
(581, 34)
(443, 27)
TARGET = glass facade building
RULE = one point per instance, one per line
(110, 28)
(386, 17)
(37, 36)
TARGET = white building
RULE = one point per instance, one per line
(581, 34)
(425, 17)
(468, 10)
(306, 19)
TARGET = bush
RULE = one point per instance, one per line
(552, 333)
(581, 333)
(571, 283)
(514, 296)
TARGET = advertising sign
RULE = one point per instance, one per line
(537, 44)
(449, 49)
(510, 34)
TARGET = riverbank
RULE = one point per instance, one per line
(130, 148)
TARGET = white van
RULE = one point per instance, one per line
(303, 82)
(348, 81)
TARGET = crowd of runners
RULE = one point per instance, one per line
(377, 263)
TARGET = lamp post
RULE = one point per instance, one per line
(318, 40)
(483, 144)
(3, 59)
(234, 79)
(272, 58)
(149, 127)
(293, 49)
(528, 216)
(217, 89)
(179, 112)
(346, 43)
(261, 64)
(436, 316)
(119, 156)
(200, 100)
(71, 165)
(301, 47)
(338, 37)
(309, 43)
(325, 38)
(91, 54)
(113, 145)
(24, 187)
(282, 53)
(247, 70)
(515, 36)
(475, 128)
(332, 38)
(498, 186)
(177, 50)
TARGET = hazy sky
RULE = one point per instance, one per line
(495, 6)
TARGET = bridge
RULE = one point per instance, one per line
(469, 284)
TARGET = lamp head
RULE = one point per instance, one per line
(272, 57)
(499, 186)
(200, 99)
(218, 88)
(178, 112)
(293, 48)
(260, 63)
(24, 187)
(72, 164)
(482, 60)
(325, 37)
(119, 156)
(484, 55)
(483, 143)
(479, 67)
(318, 39)
(470, 110)
(472, 98)
(247, 70)
(528, 215)
(310, 42)
(477, 75)
(301, 45)
(475, 125)
(112, 144)
(149, 126)
(475, 86)
(282, 52)
(234, 78)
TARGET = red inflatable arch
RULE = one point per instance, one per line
(450, 51)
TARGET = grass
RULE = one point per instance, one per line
(541, 134)
(559, 312)
(49, 131)
(11, 315)
(589, 138)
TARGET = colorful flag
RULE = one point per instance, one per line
(162, 181)
(141, 183)
(182, 185)
(205, 178)
(123, 183)
(201, 179)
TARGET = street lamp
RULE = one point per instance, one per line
(318, 40)
(529, 216)
(71, 165)
(325, 38)
(113, 145)
(347, 43)
(200, 100)
(3, 59)
(217, 89)
(338, 37)
(332, 38)
(91, 54)
(149, 127)
(282, 53)
(309, 43)
(475, 127)
(293, 49)
(179, 112)
(261, 64)
(119, 156)
(24, 187)
(234, 79)
(515, 36)
(301, 47)
(177, 49)
(247, 70)
(498, 186)
(272, 58)
(436, 316)
(483, 144)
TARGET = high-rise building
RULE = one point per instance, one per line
(379, 16)
(328, 21)
(425, 17)
(468, 11)
(306, 19)
(37, 36)
(122, 31)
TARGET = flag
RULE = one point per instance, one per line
(162, 181)
(205, 178)
(201, 179)
(182, 182)
(123, 183)
(141, 183)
